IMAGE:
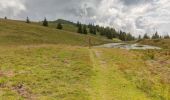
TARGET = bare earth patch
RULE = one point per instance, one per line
(7, 74)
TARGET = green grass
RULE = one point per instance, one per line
(109, 83)
(131, 75)
(62, 72)
(43, 63)
(20, 33)
(46, 72)
(66, 26)
(164, 43)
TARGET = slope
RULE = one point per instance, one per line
(164, 43)
(18, 32)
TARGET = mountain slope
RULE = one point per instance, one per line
(18, 32)
(164, 43)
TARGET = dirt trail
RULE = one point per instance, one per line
(108, 84)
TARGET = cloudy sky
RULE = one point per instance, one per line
(135, 16)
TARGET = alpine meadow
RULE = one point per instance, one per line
(84, 50)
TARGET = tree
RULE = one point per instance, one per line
(129, 37)
(155, 36)
(92, 29)
(146, 36)
(90, 26)
(59, 26)
(139, 38)
(167, 37)
(122, 36)
(79, 28)
(108, 33)
(27, 20)
(45, 22)
(84, 29)
(5, 17)
(78, 23)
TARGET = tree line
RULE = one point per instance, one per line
(107, 32)
(154, 36)
(111, 33)
(45, 23)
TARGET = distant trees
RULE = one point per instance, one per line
(5, 17)
(84, 29)
(156, 36)
(111, 33)
(27, 20)
(167, 37)
(139, 37)
(146, 36)
(59, 26)
(80, 30)
(92, 29)
(45, 22)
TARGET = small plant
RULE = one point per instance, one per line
(151, 55)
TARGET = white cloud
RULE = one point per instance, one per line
(11, 7)
(135, 16)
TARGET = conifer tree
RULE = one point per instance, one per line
(5, 17)
(84, 29)
(78, 23)
(94, 30)
(27, 20)
(139, 38)
(146, 36)
(167, 37)
(155, 36)
(45, 22)
(79, 28)
(59, 26)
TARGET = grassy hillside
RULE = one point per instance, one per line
(17, 32)
(130, 75)
(50, 72)
(164, 43)
(43, 63)
(44, 72)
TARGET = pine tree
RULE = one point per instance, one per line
(167, 37)
(102, 31)
(155, 36)
(59, 26)
(78, 23)
(129, 37)
(84, 29)
(108, 33)
(5, 17)
(90, 26)
(45, 22)
(94, 30)
(27, 20)
(122, 36)
(79, 28)
(146, 36)
(139, 38)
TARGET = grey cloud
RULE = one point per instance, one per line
(135, 2)
(135, 16)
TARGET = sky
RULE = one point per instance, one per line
(134, 16)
